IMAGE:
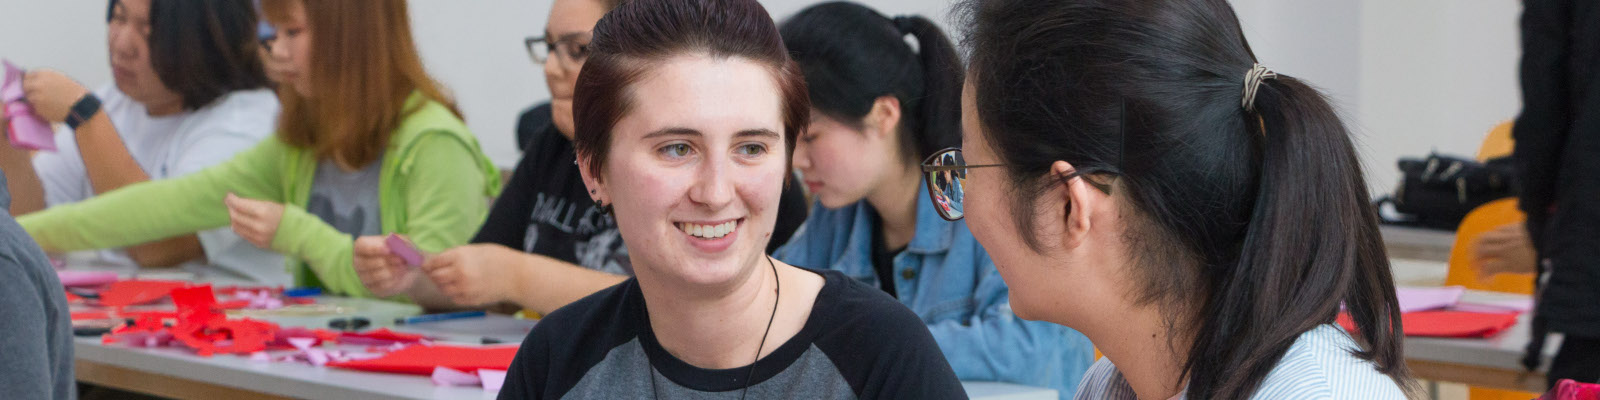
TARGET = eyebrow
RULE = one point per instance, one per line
(680, 131)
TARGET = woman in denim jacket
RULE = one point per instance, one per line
(879, 107)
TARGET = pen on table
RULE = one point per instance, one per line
(438, 317)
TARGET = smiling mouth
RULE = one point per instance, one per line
(711, 231)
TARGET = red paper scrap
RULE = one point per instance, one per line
(1449, 324)
(134, 292)
(422, 359)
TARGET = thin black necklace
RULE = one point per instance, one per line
(750, 372)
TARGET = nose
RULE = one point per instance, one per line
(122, 43)
(712, 188)
(802, 156)
(553, 74)
(280, 49)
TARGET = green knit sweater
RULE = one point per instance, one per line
(433, 187)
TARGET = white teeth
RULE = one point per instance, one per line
(708, 231)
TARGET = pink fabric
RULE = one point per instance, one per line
(26, 129)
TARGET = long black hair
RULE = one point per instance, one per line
(1250, 227)
(852, 55)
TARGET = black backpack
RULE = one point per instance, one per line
(1438, 191)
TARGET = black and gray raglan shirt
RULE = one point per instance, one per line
(858, 343)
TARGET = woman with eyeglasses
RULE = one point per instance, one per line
(546, 243)
(1138, 176)
(686, 112)
(879, 107)
(367, 145)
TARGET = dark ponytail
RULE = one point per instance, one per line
(852, 55)
(1249, 228)
(1297, 265)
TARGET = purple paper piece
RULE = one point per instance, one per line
(403, 248)
(302, 343)
(1428, 298)
(260, 356)
(317, 357)
(24, 127)
(85, 278)
(492, 379)
(449, 377)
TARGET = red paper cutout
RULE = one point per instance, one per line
(135, 292)
(1449, 324)
(421, 359)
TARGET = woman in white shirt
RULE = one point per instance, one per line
(178, 104)
(1137, 176)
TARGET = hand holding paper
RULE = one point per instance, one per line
(24, 127)
(380, 270)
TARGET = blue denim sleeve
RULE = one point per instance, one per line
(995, 345)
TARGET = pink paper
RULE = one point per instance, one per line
(1414, 299)
(403, 248)
(26, 129)
(1498, 306)
(448, 377)
(492, 379)
(86, 278)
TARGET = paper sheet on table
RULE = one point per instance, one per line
(422, 359)
(86, 278)
(1447, 324)
(1428, 298)
(25, 128)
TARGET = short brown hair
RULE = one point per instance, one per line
(640, 33)
(364, 67)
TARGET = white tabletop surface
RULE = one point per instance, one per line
(300, 380)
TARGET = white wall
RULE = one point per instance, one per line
(1410, 76)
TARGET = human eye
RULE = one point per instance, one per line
(674, 151)
(751, 149)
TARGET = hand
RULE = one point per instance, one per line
(382, 272)
(474, 275)
(1505, 250)
(51, 93)
(254, 220)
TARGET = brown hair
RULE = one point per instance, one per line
(640, 33)
(364, 67)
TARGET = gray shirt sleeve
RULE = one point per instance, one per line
(36, 333)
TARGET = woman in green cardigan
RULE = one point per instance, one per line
(367, 145)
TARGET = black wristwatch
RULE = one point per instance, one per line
(82, 110)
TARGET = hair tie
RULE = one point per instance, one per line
(1252, 83)
(903, 23)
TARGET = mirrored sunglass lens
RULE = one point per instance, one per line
(947, 185)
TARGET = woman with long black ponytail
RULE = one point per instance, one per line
(1200, 217)
(879, 106)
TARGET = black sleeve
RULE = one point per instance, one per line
(792, 209)
(507, 224)
(885, 350)
(526, 377)
(1541, 128)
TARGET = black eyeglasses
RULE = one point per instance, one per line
(567, 48)
(945, 173)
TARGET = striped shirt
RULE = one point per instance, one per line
(1318, 366)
